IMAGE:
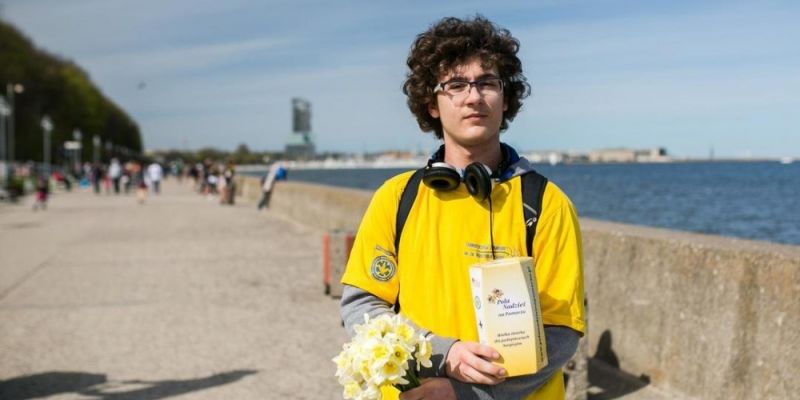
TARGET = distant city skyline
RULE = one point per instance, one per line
(693, 77)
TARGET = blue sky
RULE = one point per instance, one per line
(687, 75)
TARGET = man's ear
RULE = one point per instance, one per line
(433, 110)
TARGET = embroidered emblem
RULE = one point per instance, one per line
(383, 268)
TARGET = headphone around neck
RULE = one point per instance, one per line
(478, 178)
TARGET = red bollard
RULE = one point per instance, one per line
(336, 246)
(326, 262)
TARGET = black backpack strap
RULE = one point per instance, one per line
(533, 185)
(403, 209)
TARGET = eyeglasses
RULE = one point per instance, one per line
(459, 89)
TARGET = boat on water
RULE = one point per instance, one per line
(787, 160)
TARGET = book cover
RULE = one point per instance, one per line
(508, 314)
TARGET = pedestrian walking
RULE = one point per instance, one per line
(229, 186)
(139, 182)
(96, 174)
(115, 173)
(276, 171)
(154, 175)
(42, 192)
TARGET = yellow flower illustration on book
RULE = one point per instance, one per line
(496, 294)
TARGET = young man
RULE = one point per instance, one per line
(465, 83)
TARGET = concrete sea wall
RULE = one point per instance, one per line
(702, 316)
(708, 316)
(319, 206)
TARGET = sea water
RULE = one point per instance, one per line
(753, 200)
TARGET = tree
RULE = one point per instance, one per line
(62, 90)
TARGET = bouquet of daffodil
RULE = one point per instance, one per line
(378, 355)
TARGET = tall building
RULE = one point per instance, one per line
(300, 145)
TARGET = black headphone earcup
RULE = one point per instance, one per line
(478, 179)
(442, 178)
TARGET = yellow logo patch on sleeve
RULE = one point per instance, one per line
(383, 268)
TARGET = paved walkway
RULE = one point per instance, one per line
(102, 298)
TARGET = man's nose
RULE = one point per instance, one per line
(470, 97)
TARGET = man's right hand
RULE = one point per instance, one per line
(470, 362)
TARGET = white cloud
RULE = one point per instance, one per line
(164, 62)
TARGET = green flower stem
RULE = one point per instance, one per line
(412, 379)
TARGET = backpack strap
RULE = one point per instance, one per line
(404, 208)
(533, 185)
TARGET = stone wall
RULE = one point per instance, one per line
(319, 206)
(709, 316)
(704, 316)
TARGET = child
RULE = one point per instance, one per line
(41, 194)
(140, 182)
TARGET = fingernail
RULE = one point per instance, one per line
(502, 372)
(495, 355)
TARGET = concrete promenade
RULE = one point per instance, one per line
(102, 298)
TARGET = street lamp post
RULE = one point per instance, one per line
(76, 134)
(96, 149)
(4, 112)
(12, 88)
(47, 127)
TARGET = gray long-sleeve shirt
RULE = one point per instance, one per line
(561, 345)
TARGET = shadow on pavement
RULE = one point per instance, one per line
(606, 379)
(48, 384)
(52, 383)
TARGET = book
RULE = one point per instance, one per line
(508, 314)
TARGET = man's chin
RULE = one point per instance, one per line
(475, 141)
(480, 135)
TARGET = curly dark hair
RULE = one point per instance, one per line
(451, 42)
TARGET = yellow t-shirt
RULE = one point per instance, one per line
(444, 234)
